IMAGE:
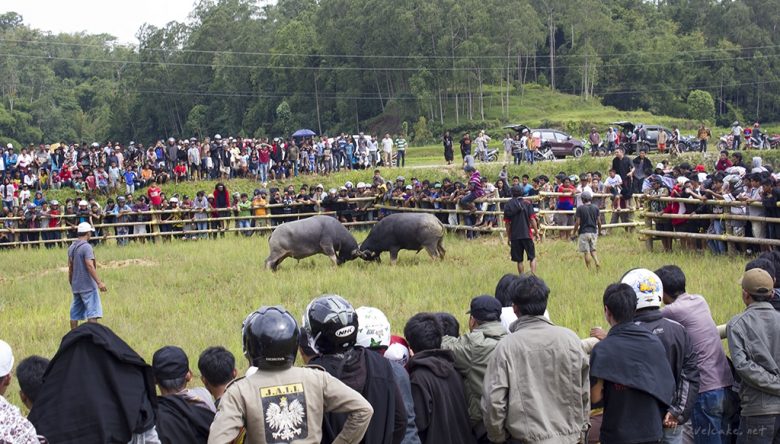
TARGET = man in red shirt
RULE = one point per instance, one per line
(155, 196)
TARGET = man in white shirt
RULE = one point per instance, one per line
(736, 133)
(387, 151)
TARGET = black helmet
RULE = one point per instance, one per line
(331, 324)
(270, 337)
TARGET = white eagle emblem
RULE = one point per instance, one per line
(285, 420)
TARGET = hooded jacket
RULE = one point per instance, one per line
(180, 421)
(371, 375)
(440, 407)
(96, 389)
(681, 356)
(472, 353)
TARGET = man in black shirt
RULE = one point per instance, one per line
(519, 218)
(587, 224)
(625, 169)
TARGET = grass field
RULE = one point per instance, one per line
(196, 294)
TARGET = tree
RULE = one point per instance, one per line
(701, 106)
(422, 134)
(284, 118)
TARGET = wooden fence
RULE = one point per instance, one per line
(653, 222)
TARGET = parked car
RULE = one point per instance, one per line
(650, 140)
(558, 142)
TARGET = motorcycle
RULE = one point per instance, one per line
(774, 141)
(760, 142)
(544, 153)
(599, 150)
(487, 155)
(726, 142)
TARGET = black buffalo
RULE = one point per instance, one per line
(307, 237)
(404, 231)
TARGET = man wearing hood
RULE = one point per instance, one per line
(677, 344)
(635, 386)
(95, 389)
(440, 408)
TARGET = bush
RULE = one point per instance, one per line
(701, 106)
(422, 134)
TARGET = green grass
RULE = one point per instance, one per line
(196, 294)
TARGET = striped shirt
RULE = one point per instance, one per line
(476, 179)
(400, 144)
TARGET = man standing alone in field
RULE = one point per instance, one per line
(83, 278)
(587, 224)
(519, 218)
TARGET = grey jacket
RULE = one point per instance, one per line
(754, 343)
(536, 387)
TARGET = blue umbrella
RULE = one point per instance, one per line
(304, 133)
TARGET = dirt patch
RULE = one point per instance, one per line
(100, 265)
(125, 263)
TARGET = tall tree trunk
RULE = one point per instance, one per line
(379, 91)
(551, 28)
(481, 95)
(441, 109)
(457, 110)
(317, 103)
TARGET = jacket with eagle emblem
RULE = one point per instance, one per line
(287, 406)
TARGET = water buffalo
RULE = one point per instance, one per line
(404, 231)
(307, 237)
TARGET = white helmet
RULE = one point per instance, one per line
(360, 185)
(348, 184)
(373, 328)
(647, 286)
(218, 137)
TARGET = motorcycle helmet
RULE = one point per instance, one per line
(217, 137)
(171, 140)
(647, 286)
(331, 324)
(373, 328)
(270, 337)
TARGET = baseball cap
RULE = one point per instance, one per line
(174, 200)
(700, 168)
(485, 308)
(397, 351)
(757, 282)
(659, 166)
(6, 358)
(84, 227)
(170, 362)
(83, 203)
(54, 202)
(373, 328)
(682, 180)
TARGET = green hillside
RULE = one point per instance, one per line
(535, 106)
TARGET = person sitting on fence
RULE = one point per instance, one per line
(614, 185)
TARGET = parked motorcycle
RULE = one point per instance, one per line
(488, 155)
(726, 142)
(599, 150)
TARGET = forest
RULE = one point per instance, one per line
(241, 68)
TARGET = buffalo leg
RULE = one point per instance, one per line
(433, 251)
(328, 250)
(272, 263)
(394, 256)
(440, 248)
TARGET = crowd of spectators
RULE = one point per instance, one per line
(659, 374)
(98, 172)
